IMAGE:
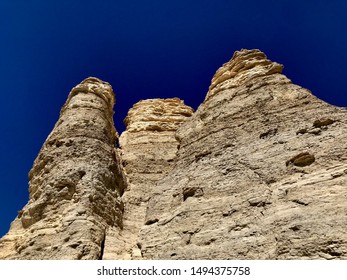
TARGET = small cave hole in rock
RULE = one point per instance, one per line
(192, 191)
(81, 173)
(152, 221)
(188, 192)
(323, 122)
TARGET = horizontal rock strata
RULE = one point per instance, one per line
(75, 184)
(148, 149)
(261, 173)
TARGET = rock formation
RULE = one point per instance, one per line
(75, 184)
(259, 171)
(148, 150)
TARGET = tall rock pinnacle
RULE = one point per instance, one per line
(259, 171)
(148, 150)
(75, 184)
(244, 66)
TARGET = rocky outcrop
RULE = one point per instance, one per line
(148, 150)
(261, 173)
(243, 67)
(75, 184)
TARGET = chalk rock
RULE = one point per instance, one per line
(148, 150)
(244, 66)
(75, 184)
(259, 171)
(245, 184)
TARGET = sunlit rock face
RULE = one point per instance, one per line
(75, 184)
(244, 66)
(148, 150)
(259, 171)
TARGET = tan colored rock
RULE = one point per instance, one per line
(246, 185)
(259, 171)
(157, 115)
(244, 66)
(75, 184)
(148, 149)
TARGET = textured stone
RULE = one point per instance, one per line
(157, 115)
(259, 171)
(148, 149)
(237, 190)
(302, 159)
(75, 184)
(244, 66)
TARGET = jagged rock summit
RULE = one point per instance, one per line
(259, 171)
(244, 66)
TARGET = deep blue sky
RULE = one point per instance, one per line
(146, 49)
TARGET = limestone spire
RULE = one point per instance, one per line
(148, 150)
(75, 183)
(244, 66)
(257, 172)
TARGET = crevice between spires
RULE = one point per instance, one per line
(102, 246)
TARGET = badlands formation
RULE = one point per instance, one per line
(259, 171)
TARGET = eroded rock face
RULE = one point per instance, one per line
(260, 173)
(244, 66)
(148, 150)
(75, 184)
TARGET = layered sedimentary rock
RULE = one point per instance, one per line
(148, 150)
(261, 173)
(75, 184)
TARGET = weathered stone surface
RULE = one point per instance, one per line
(75, 184)
(259, 171)
(245, 65)
(148, 149)
(155, 115)
(237, 190)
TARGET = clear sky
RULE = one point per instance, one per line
(146, 49)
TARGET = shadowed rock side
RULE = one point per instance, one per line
(148, 150)
(261, 173)
(75, 183)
